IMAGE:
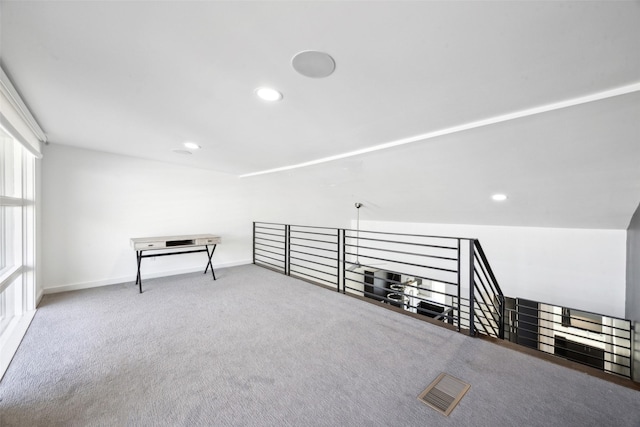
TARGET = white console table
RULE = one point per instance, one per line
(194, 241)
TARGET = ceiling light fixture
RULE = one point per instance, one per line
(268, 94)
(499, 197)
(191, 145)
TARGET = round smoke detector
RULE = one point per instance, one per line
(314, 64)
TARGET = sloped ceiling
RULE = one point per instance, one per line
(140, 78)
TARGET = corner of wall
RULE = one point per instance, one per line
(632, 294)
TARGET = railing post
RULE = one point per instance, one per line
(472, 309)
(344, 261)
(501, 327)
(459, 285)
(287, 248)
(338, 260)
(634, 365)
(254, 242)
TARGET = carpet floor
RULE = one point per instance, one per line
(257, 348)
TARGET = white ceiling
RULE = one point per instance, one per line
(140, 78)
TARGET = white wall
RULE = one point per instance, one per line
(578, 268)
(93, 203)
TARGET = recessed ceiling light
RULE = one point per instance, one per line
(191, 145)
(268, 94)
(182, 152)
(499, 197)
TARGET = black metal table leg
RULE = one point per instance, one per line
(138, 277)
(209, 263)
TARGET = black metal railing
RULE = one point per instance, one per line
(270, 246)
(420, 274)
(592, 339)
(314, 254)
(488, 297)
(447, 279)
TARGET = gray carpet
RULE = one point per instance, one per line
(256, 348)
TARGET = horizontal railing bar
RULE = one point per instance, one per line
(605, 352)
(401, 262)
(315, 269)
(313, 226)
(269, 223)
(268, 263)
(428, 290)
(583, 311)
(315, 233)
(576, 352)
(269, 240)
(418, 297)
(420, 310)
(408, 235)
(588, 355)
(573, 334)
(315, 247)
(314, 255)
(399, 272)
(266, 256)
(400, 243)
(271, 252)
(564, 333)
(259, 230)
(314, 262)
(270, 246)
(311, 275)
(313, 240)
(582, 320)
(269, 234)
(402, 252)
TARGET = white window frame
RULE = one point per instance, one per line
(19, 275)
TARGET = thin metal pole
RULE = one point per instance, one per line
(254, 242)
(501, 330)
(459, 286)
(344, 261)
(287, 248)
(472, 303)
(633, 365)
(338, 260)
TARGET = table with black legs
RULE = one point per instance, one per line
(193, 243)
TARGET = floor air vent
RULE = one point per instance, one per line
(444, 393)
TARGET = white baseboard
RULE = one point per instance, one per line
(117, 280)
(12, 337)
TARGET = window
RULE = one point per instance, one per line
(17, 243)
